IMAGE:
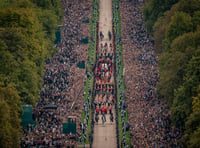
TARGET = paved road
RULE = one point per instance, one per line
(105, 134)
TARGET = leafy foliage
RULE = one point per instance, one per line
(180, 24)
(177, 40)
(9, 117)
(27, 32)
(153, 9)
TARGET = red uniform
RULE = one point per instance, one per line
(97, 110)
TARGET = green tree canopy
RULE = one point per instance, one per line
(27, 32)
(177, 40)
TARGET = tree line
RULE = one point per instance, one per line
(27, 33)
(175, 26)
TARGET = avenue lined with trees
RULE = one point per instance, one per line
(155, 72)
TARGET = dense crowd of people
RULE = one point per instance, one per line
(149, 116)
(63, 81)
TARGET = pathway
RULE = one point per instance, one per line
(105, 133)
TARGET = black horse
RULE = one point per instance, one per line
(103, 118)
(96, 118)
(111, 117)
(101, 35)
(109, 35)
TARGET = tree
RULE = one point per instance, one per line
(171, 73)
(189, 6)
(9, 117)
(153, 9)
(28, 85)
(196, 20)
(178, 115)
(26, 39)
(196, 101)
(194, 140)
(160, 29)
(180, 24)
(177, 39)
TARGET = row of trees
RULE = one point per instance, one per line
(175, 25)
(27, 32)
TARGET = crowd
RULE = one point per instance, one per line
(149, 116)
(87, 132)
(121, 106)
(62, 82)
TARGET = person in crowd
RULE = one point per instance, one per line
(62, 79)
(149, 118)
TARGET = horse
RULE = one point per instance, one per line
(111, 117)
(109, 35)
(96, 118)
(103, 118)
(101, 35)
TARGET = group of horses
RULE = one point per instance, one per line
(103, 117)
